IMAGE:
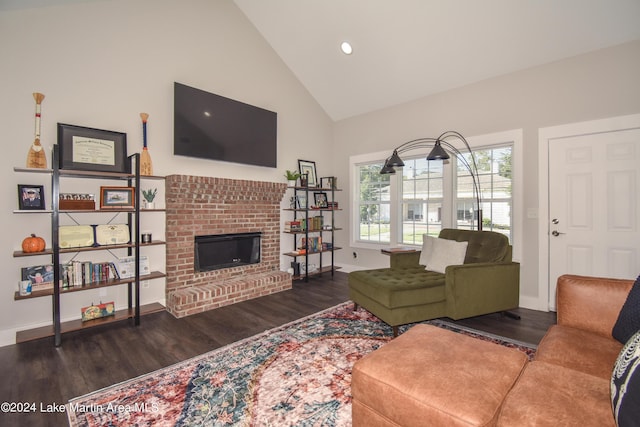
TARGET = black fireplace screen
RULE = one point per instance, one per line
(226, 250)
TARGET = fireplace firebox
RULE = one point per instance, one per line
(218, 251)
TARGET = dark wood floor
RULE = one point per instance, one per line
(37, 372)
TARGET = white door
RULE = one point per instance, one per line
(593, 224)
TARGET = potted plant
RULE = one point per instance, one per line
(149, 195)
(292, 177)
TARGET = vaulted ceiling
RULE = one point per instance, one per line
(407, 49)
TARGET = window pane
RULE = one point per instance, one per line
(373, 203)
(422, 193)
(494, 170)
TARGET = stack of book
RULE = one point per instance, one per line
(312, 244)
(291, 226)
(314, 224)
(81, 273)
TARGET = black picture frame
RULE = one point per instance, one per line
(89, 149)
(31, 197)
(117, 198)
(320, 199)
(308, 167)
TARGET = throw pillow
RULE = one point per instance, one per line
(625, 384)
(446, 252)
(629, 318)
(427, 249)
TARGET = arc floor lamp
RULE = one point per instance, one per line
(440, 151)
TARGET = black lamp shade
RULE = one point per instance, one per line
(387, 170)
(394, 160)
(438, 153)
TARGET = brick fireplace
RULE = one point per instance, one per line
(198, 206)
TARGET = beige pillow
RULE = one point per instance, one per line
(427, 249)
(446, 252)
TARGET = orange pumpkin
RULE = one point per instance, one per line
(33, 243)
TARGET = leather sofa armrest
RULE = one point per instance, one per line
(403, 260)
(591, 303)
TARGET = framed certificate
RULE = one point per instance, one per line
(127, 267)
(112, 234)
(89, 149)
(75, 236)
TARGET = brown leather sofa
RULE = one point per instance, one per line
(429, 376)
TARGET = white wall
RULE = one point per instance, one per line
(99, 65)
(592, 86)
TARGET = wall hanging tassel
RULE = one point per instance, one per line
(36, 158)
(146, 167)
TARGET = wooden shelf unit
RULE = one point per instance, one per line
(134, 309)
(306, 213)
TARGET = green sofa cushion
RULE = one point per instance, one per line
(394, 288)
(484, 246)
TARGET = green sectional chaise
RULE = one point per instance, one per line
(488, 281)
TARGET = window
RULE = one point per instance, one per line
(374, 205)
(426, 196)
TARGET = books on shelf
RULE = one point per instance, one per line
(290, 226)
(82, 273)
(315, 223)
(312, 244)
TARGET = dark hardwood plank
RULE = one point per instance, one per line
(88, 360)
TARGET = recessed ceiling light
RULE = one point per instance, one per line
(346, 48)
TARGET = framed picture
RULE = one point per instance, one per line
(301, 201)
(117, 198)
(320, 198)
(89, 149)
(308, 168)
(329, 182)
(30, 197)
(40, 276)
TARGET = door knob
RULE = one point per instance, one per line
(556, 233)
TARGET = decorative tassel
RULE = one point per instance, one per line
(36, 158)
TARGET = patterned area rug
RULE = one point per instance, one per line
(298, 374)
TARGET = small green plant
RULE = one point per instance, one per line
(292, 175)
(149, 195)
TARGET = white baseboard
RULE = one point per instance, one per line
(348, 268)
(533, 303)
(7, 337)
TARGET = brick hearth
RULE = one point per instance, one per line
(202, 206)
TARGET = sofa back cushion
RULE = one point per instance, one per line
(484, 246)
(446, 252)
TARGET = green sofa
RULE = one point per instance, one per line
(487, 282)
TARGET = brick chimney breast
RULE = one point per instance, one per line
(199, 206)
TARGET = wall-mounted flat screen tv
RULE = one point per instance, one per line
(210, 126)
